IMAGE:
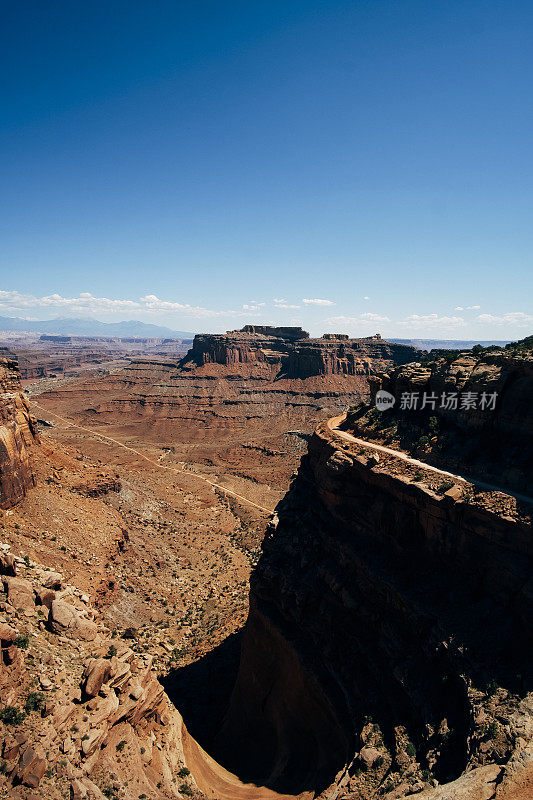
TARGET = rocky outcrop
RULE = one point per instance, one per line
(295, 354)
(81, 713)
(385, 649)
(481, 403)
(17, 433)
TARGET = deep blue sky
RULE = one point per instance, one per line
(228, 154)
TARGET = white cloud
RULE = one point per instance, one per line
(473, 308)
(417, 322)
(317, 302)
(88, 303)
(516, 318)
(361, 324)
(374, 317)
(459, 308)
(366, 298)
(285, 305)
(279, 300)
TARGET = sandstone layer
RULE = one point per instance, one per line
(17, 434)
(237, 402)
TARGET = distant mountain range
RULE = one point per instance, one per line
(448, 344)
(74, 326)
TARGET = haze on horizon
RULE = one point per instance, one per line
(345, 166)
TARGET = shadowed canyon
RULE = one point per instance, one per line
(227, 575)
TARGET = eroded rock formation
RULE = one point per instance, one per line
(233, 396)
(386, 646)
(295, 354)
(482, 409)
(17, 434)
(81, 713)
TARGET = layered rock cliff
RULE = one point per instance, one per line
(468, 411)
(295, 354)
(17, 433)
(234, 396)
(386, 646)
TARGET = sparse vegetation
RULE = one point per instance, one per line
(34, 701)
(444, 486)
(22, 641)
(12, 715)
(410, 749)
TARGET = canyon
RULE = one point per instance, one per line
(239, 402)
(227, 590)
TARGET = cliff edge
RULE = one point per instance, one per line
(17, 433)
(385, 653)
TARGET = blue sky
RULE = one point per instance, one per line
(352, 166)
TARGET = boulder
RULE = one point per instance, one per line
(84, 789)
(78, 791)
(338, 462)
(454, 494)
(31, 766)
(44, 597)
(8, 564)
(12, 745)
(90, 741)
(97, 672)
(368, 756)
(7, 635)
(52, 580)
(19, 593)
(64, 619)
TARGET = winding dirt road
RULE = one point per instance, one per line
(333, 425)
(151, 461)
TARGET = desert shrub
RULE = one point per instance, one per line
(34, 701)
(12, 715)
(22, 641)
(444, 486)
(410, 750)
(184, 772)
